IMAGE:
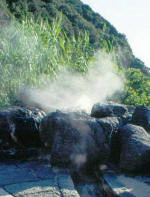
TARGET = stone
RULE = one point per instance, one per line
(110, 126)
(125, 185)
(141, 117)
(10, 174)
(101, 110)
(74, 139)
(41, 170)
(20, 126)
(45, 188)
(134, 147)
(59, 182)
(65, 183)
(94, 185)
(4, 193)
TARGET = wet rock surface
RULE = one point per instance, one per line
(110, 126)
(74, 140)
(141, 117)
(39, 178)
(93, 185)
(36, 179)
(101, 110)
(135, 148)
(19, 127)
(127, 185)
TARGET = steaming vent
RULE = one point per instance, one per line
(73, 91)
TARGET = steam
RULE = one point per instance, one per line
(69, 90)
(75, 91)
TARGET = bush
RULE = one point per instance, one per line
(32, 50)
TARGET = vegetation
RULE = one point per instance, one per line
(33, 49)
(76, 19)
(137, 88)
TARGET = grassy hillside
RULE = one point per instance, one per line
(31, 51)
(78, 18)
(34, 49)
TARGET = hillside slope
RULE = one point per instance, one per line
(78, 18)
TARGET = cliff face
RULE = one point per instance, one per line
(78, 18)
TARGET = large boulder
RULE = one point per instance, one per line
(135, 148)
(101, 110)
(110, 126)
(141, 117)
(20, 126)
(74, 139)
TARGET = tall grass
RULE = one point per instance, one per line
(34, 50)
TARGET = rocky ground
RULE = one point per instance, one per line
(92, 155)
(39, 179)
(33, 178)
(127, 185)
(36, 179)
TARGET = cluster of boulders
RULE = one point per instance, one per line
(19, 130)
(130, 141)
(111, 133)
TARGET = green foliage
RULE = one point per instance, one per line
(137, 88)
(78, 18)
(31, 51)
(36, 47)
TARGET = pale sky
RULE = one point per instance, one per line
(130, 17)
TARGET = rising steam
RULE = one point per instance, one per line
(69, 90)
(74, 91)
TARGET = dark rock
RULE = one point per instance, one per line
(141, 117)
(92, 185)
(127, 119)
(135, 148)
(110, 126)
(130, 108)
(101, 110)
(19, 126)
(74, 139)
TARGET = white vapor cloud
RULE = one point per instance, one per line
(74, 91)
